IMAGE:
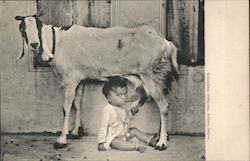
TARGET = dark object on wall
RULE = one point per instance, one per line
(201, 35)
(119, 46)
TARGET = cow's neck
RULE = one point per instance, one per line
(48, 45)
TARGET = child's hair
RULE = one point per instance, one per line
(113, 83)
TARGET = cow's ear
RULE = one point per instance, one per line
(19, 18)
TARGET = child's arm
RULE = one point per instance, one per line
(135, 109)
(102, 133)
(140, 93)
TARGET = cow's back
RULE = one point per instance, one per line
(116, 50)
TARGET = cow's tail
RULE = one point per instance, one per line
(173, 57)
(171, 53)
(171, 50)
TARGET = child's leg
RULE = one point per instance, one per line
(120, 144)
(134, 132)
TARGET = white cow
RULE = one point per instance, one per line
(141, 55)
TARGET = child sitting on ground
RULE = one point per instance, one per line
(114, 131)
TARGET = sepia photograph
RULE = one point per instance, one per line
(108, 80)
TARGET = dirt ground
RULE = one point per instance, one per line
(40, 148)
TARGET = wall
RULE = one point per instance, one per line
(187, 101)
(32, 101)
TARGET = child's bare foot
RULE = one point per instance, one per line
(141, 148)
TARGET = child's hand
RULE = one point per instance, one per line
(134, 110)
(101, 147)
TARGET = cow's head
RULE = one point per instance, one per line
(30, 28)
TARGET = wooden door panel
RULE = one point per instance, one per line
(138, 12)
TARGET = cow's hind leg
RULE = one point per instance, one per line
(68, 100)
(156, 92)
(163, 105)
(77, 132)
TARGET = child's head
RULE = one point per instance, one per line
(115, 90)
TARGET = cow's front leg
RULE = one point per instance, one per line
(77, 132)
(163, 104)
(69, 97)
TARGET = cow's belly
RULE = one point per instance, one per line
(85, 69)
(100, 63)
(94, 72)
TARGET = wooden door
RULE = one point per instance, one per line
(185, 27)
(94, 13)
(138, 12)
(182, 21)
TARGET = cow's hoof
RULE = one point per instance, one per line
(59, 145)
(167, 135)
(78, 136)
(160, 148)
